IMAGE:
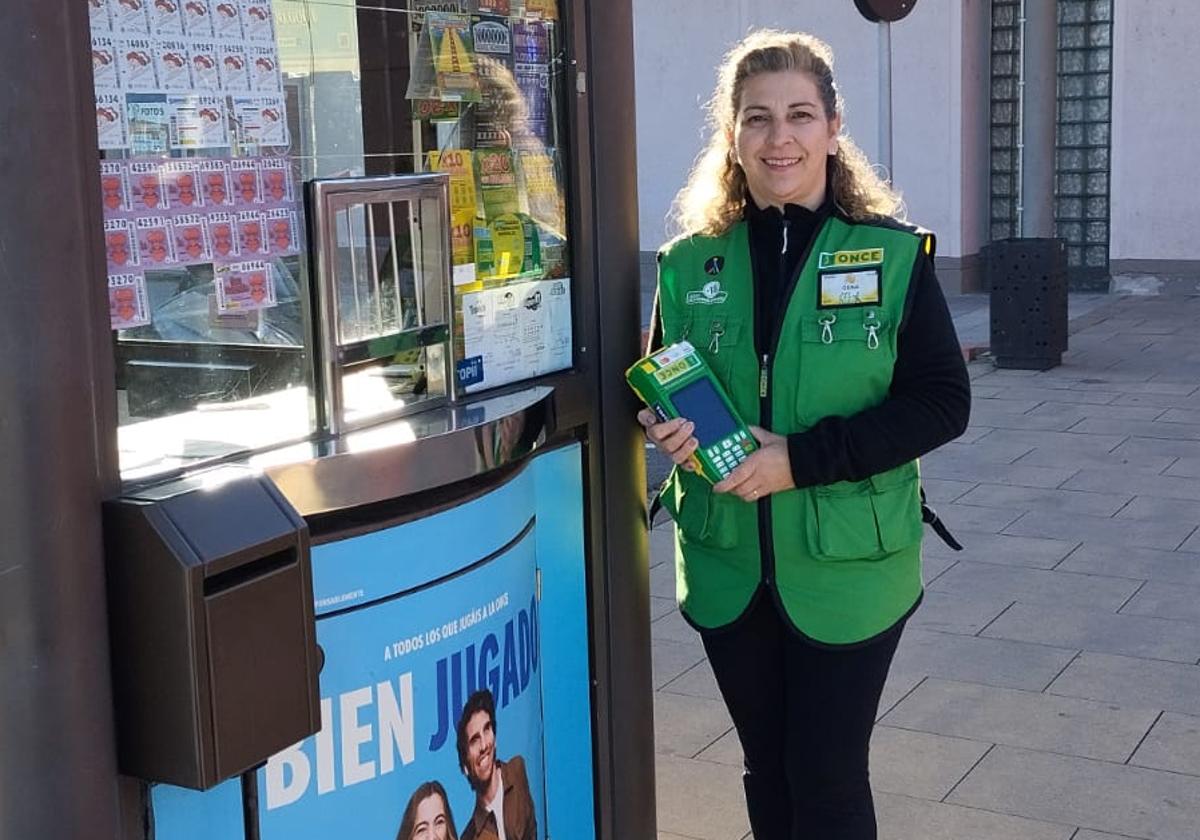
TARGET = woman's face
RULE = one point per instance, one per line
(431, 820)
(782, 138)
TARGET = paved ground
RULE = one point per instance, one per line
(1048, 688)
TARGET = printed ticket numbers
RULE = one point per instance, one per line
(206, 74)
(110, 121)
(198, 122)
(251, 237)
(165, 18)
(276, 174)
(258, 21)
(197, 18)
(127, 301)
(215, 184)
(247, 188)
(234, 67)
(190, 238)
(244, 286)
(145, 187)
(120, 245)
(282, 232)
(173, 64)
(262, 120)
(104, 63)
(114, 187)
(227, 20)
(154, 241)
(264, 69)
(135, 59)
(222, 237)
(181, 179)
(129, 16)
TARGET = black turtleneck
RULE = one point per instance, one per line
(930, 397)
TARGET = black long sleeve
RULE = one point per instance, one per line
(928, 404)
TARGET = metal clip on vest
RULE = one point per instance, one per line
(871, 325)
(714, 344)
(827, 323)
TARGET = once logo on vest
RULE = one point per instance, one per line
(850, 259)
(709, 294)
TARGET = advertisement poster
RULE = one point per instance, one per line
(127, 301)
(429, 701)
(244, 286)
(516, 331)
(534, 82)
(531, 42)
(463, 203)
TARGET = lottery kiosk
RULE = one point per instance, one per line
(337, 526)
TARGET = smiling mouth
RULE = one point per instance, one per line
(780, 163)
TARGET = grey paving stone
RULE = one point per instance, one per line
(1154, 449)
(1059, 441)
(1023, 719)
(1158, 400)
(1081, 460)
(661, 606)
(920, 763)
(1097, 630)
(1163, 486)
(1084, 792)
(670, 659)
(685, 725)
(725, 750)
(673, 627)
(1147, 533)
(1004, 549)
(986, 450)
(973, 433)
(1135, 563)
(1166, 601)
(662, 546)
(909, 818)
(1131, 682)
(1180, 415)
(1088, 834)
(1058, 421)
(1132, 384)
(1188, 466)
(1138, 428)
(1050, 396)
(1192, 543)
(899, 683)
(990, 520)
(944, 490)
(972, 659)
(1036, 586)
(1056, 501)
(965, 467)
(1112, 412)
(1173, 744)
(933, 563)
(697, 681)
(662, 580)
(1153, 507)
(1004, 404)
(962, 614)
(700, 799)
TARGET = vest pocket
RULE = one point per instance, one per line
(841, 346)
(702, 516)
(716, 336)
(866, 520)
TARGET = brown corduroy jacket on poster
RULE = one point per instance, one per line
(520, 822)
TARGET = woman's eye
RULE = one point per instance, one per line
(756, 119)
(801, 115)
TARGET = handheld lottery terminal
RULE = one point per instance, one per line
(676, 382)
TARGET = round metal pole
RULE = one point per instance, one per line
(885, 98)
(58, 776)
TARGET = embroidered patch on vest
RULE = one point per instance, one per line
(714, 265)
(708, 295)
(849, 288)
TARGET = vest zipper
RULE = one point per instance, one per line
(766, 536)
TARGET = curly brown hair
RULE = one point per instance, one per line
(715, 193)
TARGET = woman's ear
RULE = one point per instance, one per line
(835, 128)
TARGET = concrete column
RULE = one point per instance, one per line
(1038, 117)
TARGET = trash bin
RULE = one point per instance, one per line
(1028, 283)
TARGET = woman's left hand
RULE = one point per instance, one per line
(767, 470)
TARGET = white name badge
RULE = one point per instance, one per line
(849, 288)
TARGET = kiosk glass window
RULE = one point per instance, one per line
(212, 119)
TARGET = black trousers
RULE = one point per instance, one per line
(804, 715)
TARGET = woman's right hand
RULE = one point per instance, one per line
(672, 438)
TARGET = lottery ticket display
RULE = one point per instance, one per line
(189, 107)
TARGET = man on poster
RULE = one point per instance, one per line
(503, 806)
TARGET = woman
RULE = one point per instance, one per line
(822, 317)
(427, 815)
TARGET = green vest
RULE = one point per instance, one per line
(847, 556)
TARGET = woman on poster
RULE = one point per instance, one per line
(427, 815)
(819, 311)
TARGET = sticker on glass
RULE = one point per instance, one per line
(127, 301)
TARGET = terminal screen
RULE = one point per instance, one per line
(700, 403)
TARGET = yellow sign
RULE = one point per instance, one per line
(850, 259)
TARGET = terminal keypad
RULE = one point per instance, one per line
(726, 454)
